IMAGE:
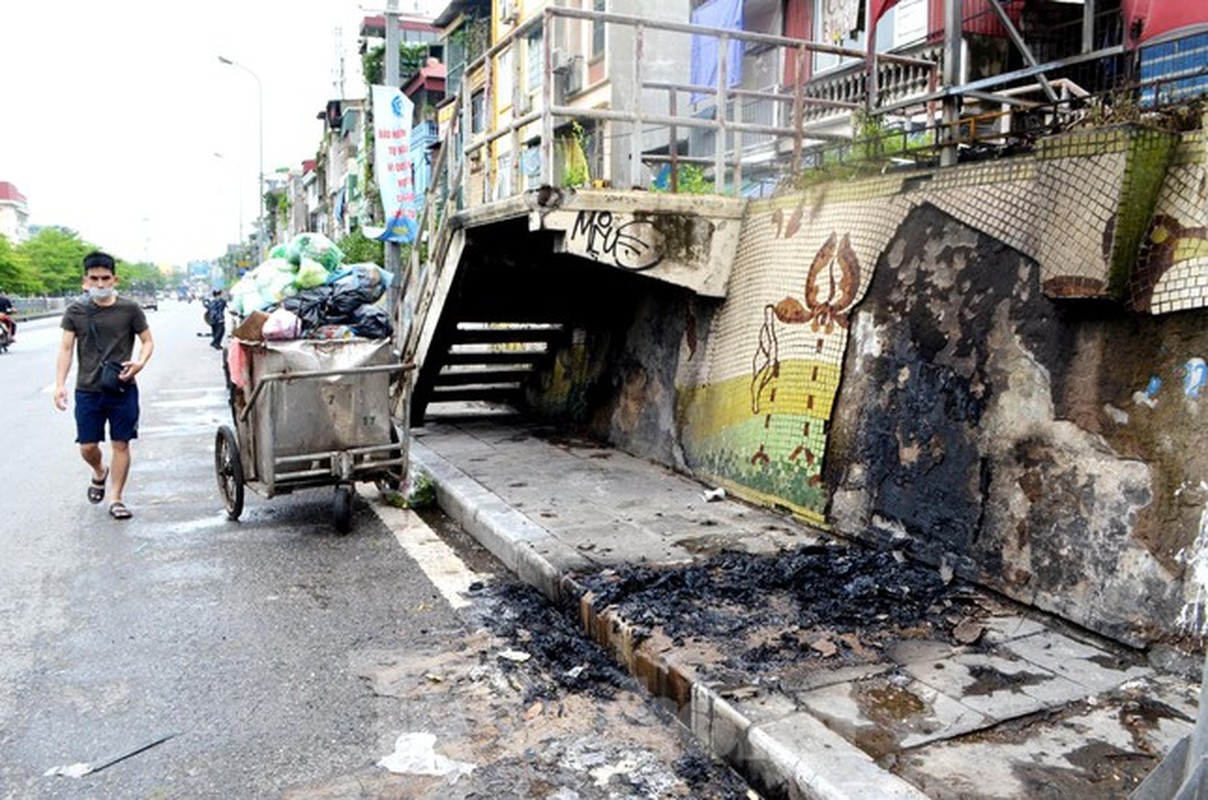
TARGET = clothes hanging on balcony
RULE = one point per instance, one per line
(716, 14)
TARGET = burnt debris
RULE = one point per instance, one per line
(524, 617)
(831, 588)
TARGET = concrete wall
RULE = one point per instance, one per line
(956, 363)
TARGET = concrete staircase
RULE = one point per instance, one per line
(485, 361)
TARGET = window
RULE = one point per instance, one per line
(533, 51)
(478, 112)
(505, 76)
(597, 29)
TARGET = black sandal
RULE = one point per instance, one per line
(96, 488)
(118, 510)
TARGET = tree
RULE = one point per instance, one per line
(358, 249)
(16, 275)
(55, 256)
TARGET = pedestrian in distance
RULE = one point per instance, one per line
(99, 332)
(216, 316)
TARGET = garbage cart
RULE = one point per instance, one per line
(311, 413)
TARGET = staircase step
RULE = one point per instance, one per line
(496, 357)
(494, 394)
(473, 377)
(503, 335)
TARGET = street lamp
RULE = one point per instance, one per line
(260, 116)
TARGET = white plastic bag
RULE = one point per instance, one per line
(282, 325)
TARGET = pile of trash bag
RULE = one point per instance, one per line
(305, 291)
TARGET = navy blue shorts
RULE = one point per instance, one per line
(94, 409)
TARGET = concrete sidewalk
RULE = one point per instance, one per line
(1003, 703)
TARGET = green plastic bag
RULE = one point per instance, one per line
(311, 274)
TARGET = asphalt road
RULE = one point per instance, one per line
(283, 659)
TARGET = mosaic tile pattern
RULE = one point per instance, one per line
(757, 412)
(1172, 267)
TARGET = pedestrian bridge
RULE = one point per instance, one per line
(554, 204)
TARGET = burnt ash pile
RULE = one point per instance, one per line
(802, 594)
(525, 618)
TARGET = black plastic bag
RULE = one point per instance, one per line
(371, 322)
(311, 306)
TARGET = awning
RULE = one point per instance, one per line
(1148, 19)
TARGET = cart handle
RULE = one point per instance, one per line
(317, 373)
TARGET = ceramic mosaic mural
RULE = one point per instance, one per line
(757, 414)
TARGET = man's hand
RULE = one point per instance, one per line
(129, 370)
(61, 398)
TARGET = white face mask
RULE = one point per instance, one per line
(101, 292)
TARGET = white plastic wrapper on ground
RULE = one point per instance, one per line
(415, 754)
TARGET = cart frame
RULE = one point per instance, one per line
(253, 455)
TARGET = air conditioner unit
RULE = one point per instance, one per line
(573, 77)
(568, 78)
(560, 60)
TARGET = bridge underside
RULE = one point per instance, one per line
(537, 274)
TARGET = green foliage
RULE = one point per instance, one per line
(16, 273)
(277, 204)
(691, 180)
(359, 249)
(411, 57)
(576, 173)
(56, 256)
(139, 273)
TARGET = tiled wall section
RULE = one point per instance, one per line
(757, 415)
(1172, 269)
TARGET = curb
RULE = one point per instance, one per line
(783, 753)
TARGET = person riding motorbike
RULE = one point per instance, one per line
(10, 325)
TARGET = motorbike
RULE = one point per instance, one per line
(6, 336)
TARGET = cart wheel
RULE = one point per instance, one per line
(229, 470)
(341, 508)
(394, 480)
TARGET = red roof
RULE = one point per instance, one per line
(9, 192)
(431, 76)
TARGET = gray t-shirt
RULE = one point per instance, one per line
(117, 326)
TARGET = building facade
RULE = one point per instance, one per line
(14, 214)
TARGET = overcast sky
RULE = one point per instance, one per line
(112, 111)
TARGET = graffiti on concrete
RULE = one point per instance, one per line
(1195, 376)
(634, 245)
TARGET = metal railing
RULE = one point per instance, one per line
(649, 117)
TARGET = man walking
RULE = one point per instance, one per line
(101, 330)
(216, 314)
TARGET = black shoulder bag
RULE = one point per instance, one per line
(111, 371)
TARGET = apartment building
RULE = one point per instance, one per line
(14, 214)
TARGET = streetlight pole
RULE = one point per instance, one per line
(260, 221)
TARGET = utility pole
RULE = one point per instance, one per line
(390, 58)
(953, 21)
